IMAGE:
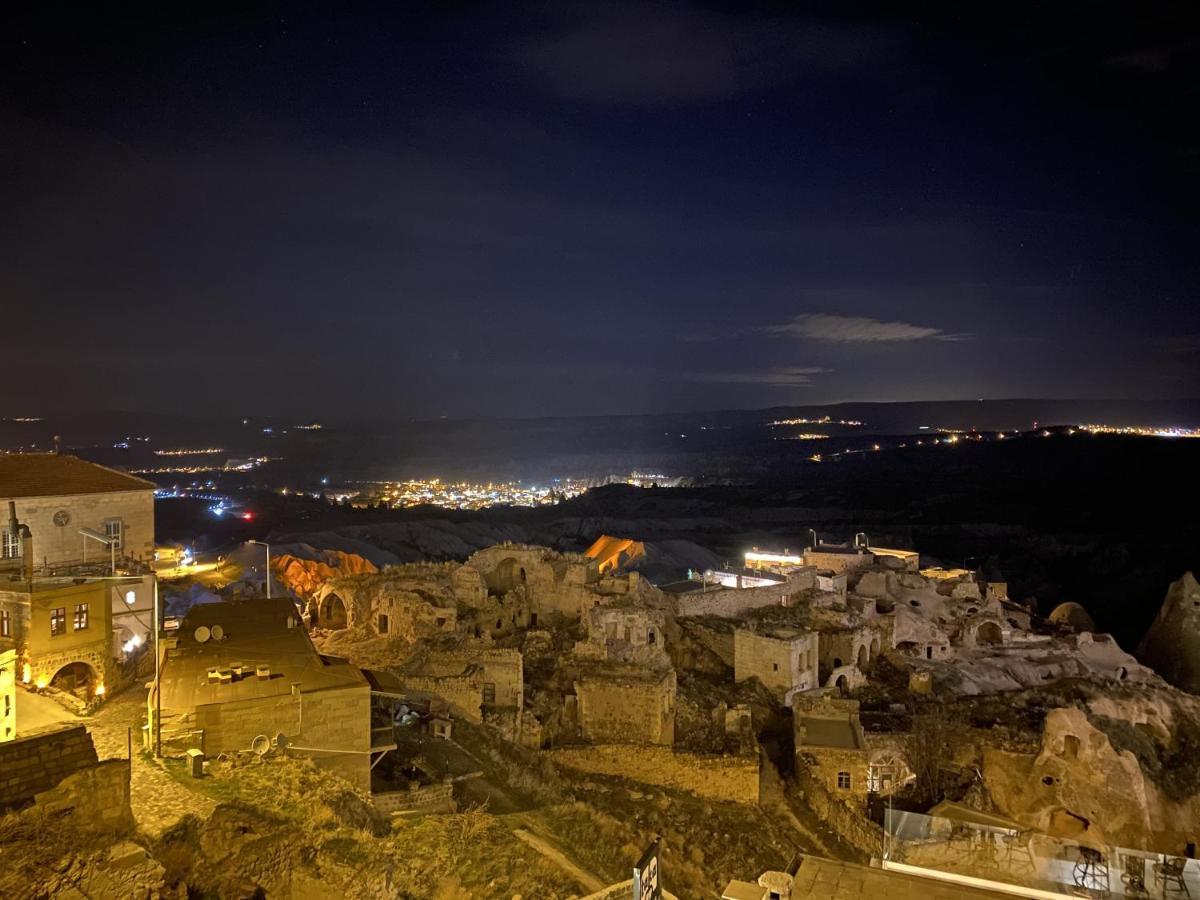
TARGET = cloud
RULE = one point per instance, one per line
(657, 54)
(856, 329)
(780, 376)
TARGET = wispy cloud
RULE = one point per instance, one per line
(660, 54)
(857, 329)
(781, 376)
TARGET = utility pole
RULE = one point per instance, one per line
(268, 546)
(157, 675)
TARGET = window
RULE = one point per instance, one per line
(10, 545)
(5, 623)
(58, 621)
(651, 637)
(113, 531)
(383, 624)
(489, 694)
(533, 620)
(774, 667)
(81, 616)
(843, 781)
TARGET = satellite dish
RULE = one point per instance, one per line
(218, 632)
(202, 634)
(261, 745)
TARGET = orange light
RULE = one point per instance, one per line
(100, 689)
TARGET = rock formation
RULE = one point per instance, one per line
(1172, 645)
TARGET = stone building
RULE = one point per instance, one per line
(244, 675)
(626, 633)
(62, 629)
(625, 704)
(783, 659)
(57, 495)
(8, 691)
(832, 748)
(849, 647)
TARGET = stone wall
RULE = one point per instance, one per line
(730, 603)
(848, 821)
(837, 562)
(8, 693)
(500, 668)
(733, 778)
(62, 544)
(639, 709)
(96, 797)
(783, 664)
(462, 693)
(433, 797)
(333, 727)
(34, 764)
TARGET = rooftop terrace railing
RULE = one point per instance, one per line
(1026, 863)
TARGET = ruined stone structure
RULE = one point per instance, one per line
(858, 647)
(735, 602)
(621, 704)
(496, 674)
(784, 660)
(626, 633)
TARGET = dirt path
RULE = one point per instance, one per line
(590, 882)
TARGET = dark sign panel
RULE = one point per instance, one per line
(647, 885)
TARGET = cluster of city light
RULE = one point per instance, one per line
(190, 451)
(804, 437)
(1143, 431)
(479, 495)
(824, 420)
(243, 465)
(312, 426)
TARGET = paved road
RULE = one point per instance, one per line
(35, 712)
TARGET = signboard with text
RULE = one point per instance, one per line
(647, 884)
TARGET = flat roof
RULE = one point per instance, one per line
(837, 733)
(60, 475)
(255, 633)
(825, 878)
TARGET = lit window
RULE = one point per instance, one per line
(130, 596)
(10, 545)
(5, 623)
(81, 616)
(58, 620)
(843, 781)
(113, 531)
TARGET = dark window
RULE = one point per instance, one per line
(58, 620)
(533, 620)
(441, 621)
(499, 624)
(843, 781)
(5, 624)
(114, 531)
(774, 667)
(81, 616)
(383, 624)
(651, 637)
(489, 695)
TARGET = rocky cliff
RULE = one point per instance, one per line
(1172, 645)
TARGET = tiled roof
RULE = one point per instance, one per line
(58, 475)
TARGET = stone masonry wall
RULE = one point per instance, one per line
(848, 821)
(628, 710)
(335, 724)
(733, 778)
(733, 602)
(780, 664)
(56, 544)
(96, 798)
(31, 765)
(501, 668)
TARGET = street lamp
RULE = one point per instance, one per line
(268, 546)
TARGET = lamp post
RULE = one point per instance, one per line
(268, 546)
(157, 677)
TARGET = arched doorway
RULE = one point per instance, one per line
(842, 684)
(863, 657)
(875, 646)
(332, 613)
(76, 678)
(989, 633)
(506, 577)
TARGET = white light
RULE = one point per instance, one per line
(132, 643)
(130, 596)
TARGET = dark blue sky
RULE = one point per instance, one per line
(503, 210)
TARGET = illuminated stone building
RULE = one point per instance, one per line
(57, 495)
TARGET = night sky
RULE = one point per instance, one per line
(462, 210)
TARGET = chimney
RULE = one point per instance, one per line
(18, 529)
(57, 443)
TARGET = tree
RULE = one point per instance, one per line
(929, 750)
